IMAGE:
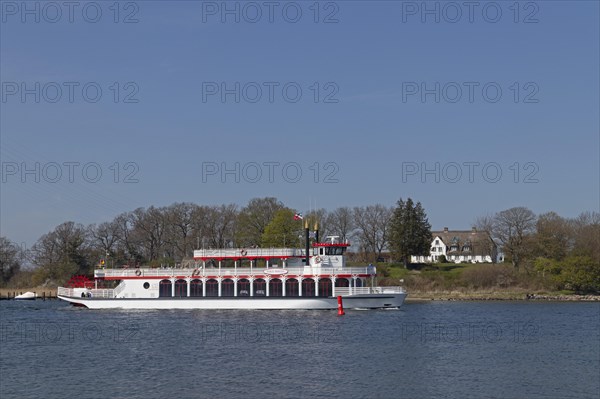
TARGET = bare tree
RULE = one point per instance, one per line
(10, 260)
(105, 237)
(149, 226)
(513, 227)
(129, 241)
(373, 222)
(485, 223)
(220, 224)
(180, 228)
(199, 225)
(489, 245)
(586, 235)
(63, 252)
(341, 222)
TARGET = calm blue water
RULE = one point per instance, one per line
(426, 350)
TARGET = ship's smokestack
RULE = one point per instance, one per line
(307, 243)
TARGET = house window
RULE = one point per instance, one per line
(433, 249)
(437, 242)
(454, 248)
(466, 248)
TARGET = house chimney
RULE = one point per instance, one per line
(445, 229)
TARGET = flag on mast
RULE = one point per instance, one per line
(298, 216)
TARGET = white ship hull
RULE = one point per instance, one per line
(368, 301)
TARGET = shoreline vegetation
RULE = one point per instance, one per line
(497, 296)
(544, 254)
(476, 282)
(436, 282)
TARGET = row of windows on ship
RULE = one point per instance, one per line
(258, 287)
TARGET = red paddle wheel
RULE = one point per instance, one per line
(80, 281)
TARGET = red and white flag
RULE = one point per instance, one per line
(298, 216)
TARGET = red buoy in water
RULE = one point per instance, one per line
(340, 306)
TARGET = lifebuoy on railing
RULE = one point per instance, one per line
(317, 259)
(196, 272)
(138, 272)
(244, 252)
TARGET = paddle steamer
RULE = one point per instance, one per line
(288, 278)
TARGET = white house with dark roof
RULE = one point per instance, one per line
(460, 246)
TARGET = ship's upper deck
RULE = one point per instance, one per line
(248, 253)
(332, 247)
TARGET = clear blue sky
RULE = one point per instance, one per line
(371, 61)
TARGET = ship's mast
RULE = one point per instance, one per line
(307, 243)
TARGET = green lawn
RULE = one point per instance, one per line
(465, 280)
(397, 270)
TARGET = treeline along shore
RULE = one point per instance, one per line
(545, 254)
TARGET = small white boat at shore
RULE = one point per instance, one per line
(26, 296)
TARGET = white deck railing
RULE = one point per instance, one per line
(246, 271)
(95, 293)
(248, 252)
